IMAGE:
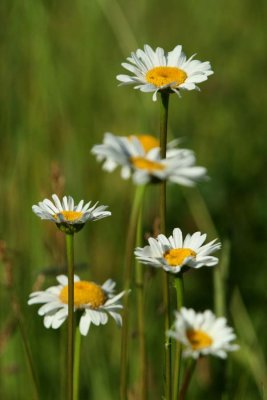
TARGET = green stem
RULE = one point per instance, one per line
(62, 361)
(166, 295)
(166, 300)
(77, 356)
(70, 261)
(139, 279)
(131, 237)
(179, 286)
(167, 323)
(164, 123)
(187, 380)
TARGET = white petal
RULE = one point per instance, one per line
(62, 279)
(43, 298)
(59, 318)
(103, 317)
(156, 250)
(79, 206)
(125, 78)
(65, 203)
(85, 323)
(125, 172)
(178, 238)
(70, 203)
(50, 205)
(113, 300)
(154, 97)
(48, 307)
(57, 202)
(94, 315)
(109, 286)
(116, 317)
(48, 319)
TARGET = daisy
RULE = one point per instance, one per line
(202, 334)
(139, 157)
(173, 253)
(68, 216)
(157, 70)
(96, 303)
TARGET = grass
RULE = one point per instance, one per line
(58, 96)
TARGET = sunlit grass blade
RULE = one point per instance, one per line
(139, 280)
(251, 354)
(128, 276)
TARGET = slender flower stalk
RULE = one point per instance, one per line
(70, 261)
(139, 271)
(188, 375)
(76, 368)
(179, 287)
(166, 295)
(131, 238)
(63, 363)
(164, 123)
(70, 219)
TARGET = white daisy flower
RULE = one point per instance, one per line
(202, 334)
(173, 253)
(96, 303)
(67, 215)
(157, 70)
(139, 157)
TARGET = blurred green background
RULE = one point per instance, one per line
(58, 95)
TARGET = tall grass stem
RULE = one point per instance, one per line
(139, 279)
(166, 295)
(76, 368)
(27, 350)
(70, 349)
(179, 287)
(62, 362)
(188, 375)
(128, 272)
(119, 23)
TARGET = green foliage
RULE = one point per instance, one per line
(58, 96)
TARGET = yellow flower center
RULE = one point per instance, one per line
(85, 293)
(70, 215)
(177, 256)
(143, 163)
(198, 339)
(148, 142)
(160, 76)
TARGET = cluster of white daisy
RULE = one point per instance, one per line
(139, 157)
(200, 333)
(96, 302)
